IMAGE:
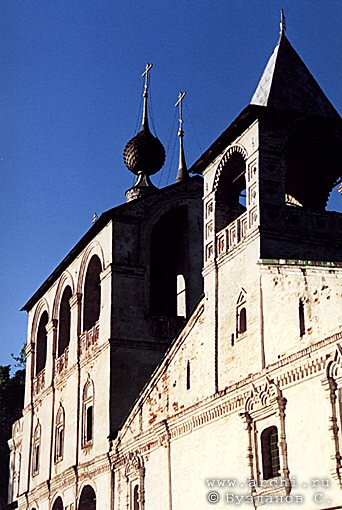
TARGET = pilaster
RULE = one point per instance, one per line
(75, 325)
(51, 330)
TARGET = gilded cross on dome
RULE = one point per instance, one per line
(148, 67)
(180, 104)
(182, 174)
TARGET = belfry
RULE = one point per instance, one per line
(193, 336)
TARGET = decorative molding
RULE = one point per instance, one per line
(332, 384)
(64, 281)
(220, 404)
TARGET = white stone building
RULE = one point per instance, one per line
(188, 350)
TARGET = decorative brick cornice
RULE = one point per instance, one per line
(234, 398)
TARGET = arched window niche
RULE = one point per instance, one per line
(87, 499)
(41, 343)
(59, 434)
(92, 294)
(64, 322)
(230, 195)
(36, 449)
(241, 314)
(88, 413)
(58, 504)
(265, 425)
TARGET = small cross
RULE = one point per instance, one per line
(180, 104)
(148, 67)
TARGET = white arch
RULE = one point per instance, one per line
(64, 281)
(94, 248)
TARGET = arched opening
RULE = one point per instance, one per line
(88, 413)
(92, 294)
(242, 320)
(36, 449)
(59, 435)
(169, 265)
(241, 314)
(87, 499)
(313, 158)
(230, 199)
(58, 504)
(41, 343)
(270, 453)
(64, 322)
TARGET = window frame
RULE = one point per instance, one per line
(36, 449)
(87, 403)
(59, 434)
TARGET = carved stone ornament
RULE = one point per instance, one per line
(134, 464)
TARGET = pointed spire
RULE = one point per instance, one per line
(144, 124)
(288, 84)
(182, 174)
(282, 22)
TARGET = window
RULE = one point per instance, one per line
(270, 453)
(92, 294)
(301, 318)
(265, 405)
(136, 505)
(241, 314)
(59, 435)
(88, 413)
(89, 423)
(64, 322)
(36, 449)
(41, 343)
(242, 320)
(135, 473)
(188, 374)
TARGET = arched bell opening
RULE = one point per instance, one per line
(92, 294)
(168, 265)
(64, 322)
(230, 197)
(41, 341)
(313, 160)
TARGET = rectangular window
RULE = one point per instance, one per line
(301, 318)
(36, 459)
(89, 424)
(59, 443)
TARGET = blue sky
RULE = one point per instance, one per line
(70, 99)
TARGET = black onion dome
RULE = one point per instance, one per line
(144, 153)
